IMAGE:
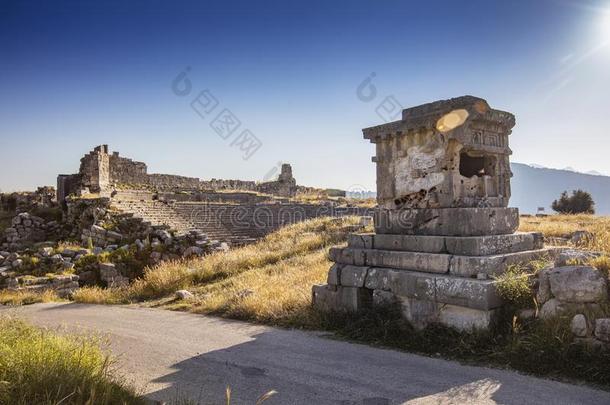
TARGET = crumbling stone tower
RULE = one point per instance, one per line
(442, 227)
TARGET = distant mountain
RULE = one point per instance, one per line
(594, 173)
(534, 187)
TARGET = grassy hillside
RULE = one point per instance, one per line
(269, 281)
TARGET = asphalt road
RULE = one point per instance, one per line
(172, 355)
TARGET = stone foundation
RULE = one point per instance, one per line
(425, 275)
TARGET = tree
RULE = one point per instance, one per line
(580, 202)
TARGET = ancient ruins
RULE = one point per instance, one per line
(104, 173)
(233, 211)
(442, 226)
(114, 209)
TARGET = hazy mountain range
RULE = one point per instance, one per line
(536, 186)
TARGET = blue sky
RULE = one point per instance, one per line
(75, 74)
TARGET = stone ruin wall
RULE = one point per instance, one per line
(220, 184)
(101, 172)
(127, 171)
(172, 182)
(95, 169)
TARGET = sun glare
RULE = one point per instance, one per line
(605, 26)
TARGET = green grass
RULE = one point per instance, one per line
(42, 367)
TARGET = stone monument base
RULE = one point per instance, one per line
(442, 279)
(447, 221)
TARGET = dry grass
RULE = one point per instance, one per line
(98, 295)
(562, 225)
(41, 367)
(25, 297)
(277, 294)
(269, 281)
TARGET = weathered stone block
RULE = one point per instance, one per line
(493, 244)
(465, 245)
(413, 285)
(427, 262)
(349, 299)
(544, 287)
(360, 241)
(578, 284)
(466, 319)
(573, 257)
(354, 257)
(578, 325)
(469, 266)
(447, 221)
(419, 313)
(550, 309)
(379, 278)
(602, 329)
(353, 276)
(465, 292)
(411, 243)
(334, 275)
(107, 270)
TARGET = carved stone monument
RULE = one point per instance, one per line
(442, 227)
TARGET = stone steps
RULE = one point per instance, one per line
(458, 245)
(182, 217)
(465, 266)
(446, 289)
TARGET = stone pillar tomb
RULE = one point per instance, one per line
(443, 229)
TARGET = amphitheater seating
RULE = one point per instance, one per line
(236, 224)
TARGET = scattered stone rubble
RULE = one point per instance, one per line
(442, 230)
(572, 287)
(28, 228)
(12, 276)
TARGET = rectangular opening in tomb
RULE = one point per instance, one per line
(476, 164)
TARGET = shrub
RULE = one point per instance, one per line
(580, 202)
(98, 295)
(40, 367)
(25, 297)
(515, 287)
